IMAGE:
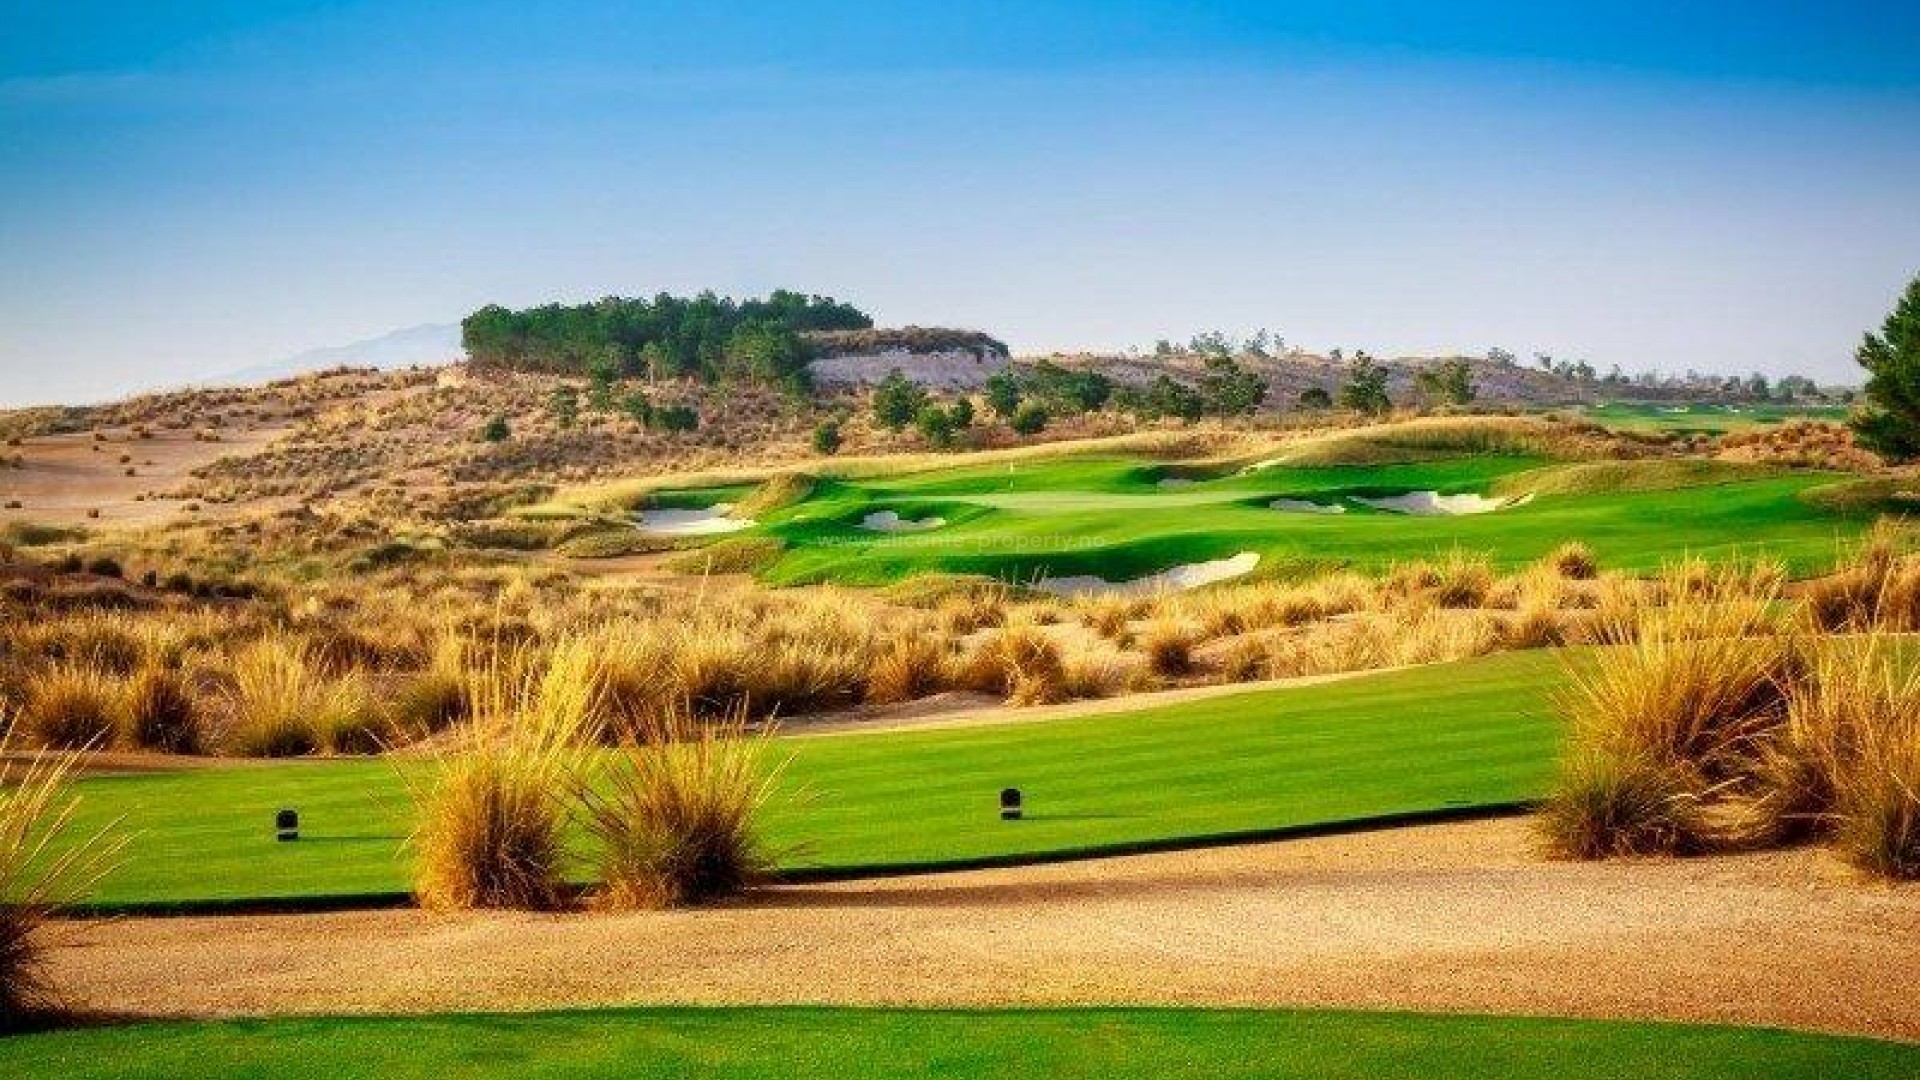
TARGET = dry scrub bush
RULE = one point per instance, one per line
(1573, 560)
(782, 656)
(493, 812)
(39, 869)
(1846, 764)
(1168, 644)
(1020, 662)
(1875, 587)
(912, 666)
(1110, 616)
(1607, 802)
(283, 704)
(435, 698)
(72, 706)
(1464, 580)
(1711, 726)
(676, 815)
(161, 713)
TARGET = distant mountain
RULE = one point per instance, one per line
(429, 343)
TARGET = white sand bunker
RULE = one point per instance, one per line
(1187, 576)
(1177, 481)
(1434, 504)
(888, 521)
(706, 522)
(1303, 506)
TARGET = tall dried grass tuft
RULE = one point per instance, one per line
(911, 666)
(72, 706)
(1872, 587)
(160, 712)
(284, 704)
(41, 866)
(1678, 706)
(1847, 762)
(1021, 662)
(494, 809)
(1573, 560)
(1610, 802)
(676, 816)
(1168, 644)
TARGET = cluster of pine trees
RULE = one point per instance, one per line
(706, 337)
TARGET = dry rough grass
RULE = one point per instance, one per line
(1712, 724)
(676, 815)
(493, 814)
(38, 871)
(284, 704)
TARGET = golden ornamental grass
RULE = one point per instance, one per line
(1671, 718)
(1847, 762)
(493, 809)
(39, 868)
(284, 704)
(676, 815)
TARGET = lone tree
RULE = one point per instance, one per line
(1365, 390)
(826, 437)
(1449, 382)
(897, 401)
(1889, 424)
(1003, 394)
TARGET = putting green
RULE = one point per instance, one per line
(1115, 518)
(998, 1044)
(1474, 734)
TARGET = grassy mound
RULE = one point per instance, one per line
(1607, 477)
(1445, 436)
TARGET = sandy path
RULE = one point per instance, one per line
(1454, 917)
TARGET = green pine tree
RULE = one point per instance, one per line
(1889, 424)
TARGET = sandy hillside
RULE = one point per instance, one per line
(76, 479)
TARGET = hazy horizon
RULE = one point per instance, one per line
(1728, 189)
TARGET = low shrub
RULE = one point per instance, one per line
(493, 813)
(161, 714)
(39, 870)
(1020, 662)
(1609, 801)
(283, 704)
(1168, 645)
(675, 816)
(71, 707)
(1574, 560)
(911, 666)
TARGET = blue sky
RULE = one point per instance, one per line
(1732, 186)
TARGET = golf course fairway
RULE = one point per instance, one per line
(1443, 738)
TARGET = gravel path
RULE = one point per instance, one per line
(1451, 917)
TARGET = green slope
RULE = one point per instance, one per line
(1471, 734)
(853, 1044)
(1112, 517)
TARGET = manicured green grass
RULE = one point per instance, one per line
(1705, 419)
(852, 1044)
(1459, 735)
(1111, 517)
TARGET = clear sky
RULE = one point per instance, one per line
(187, 189)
